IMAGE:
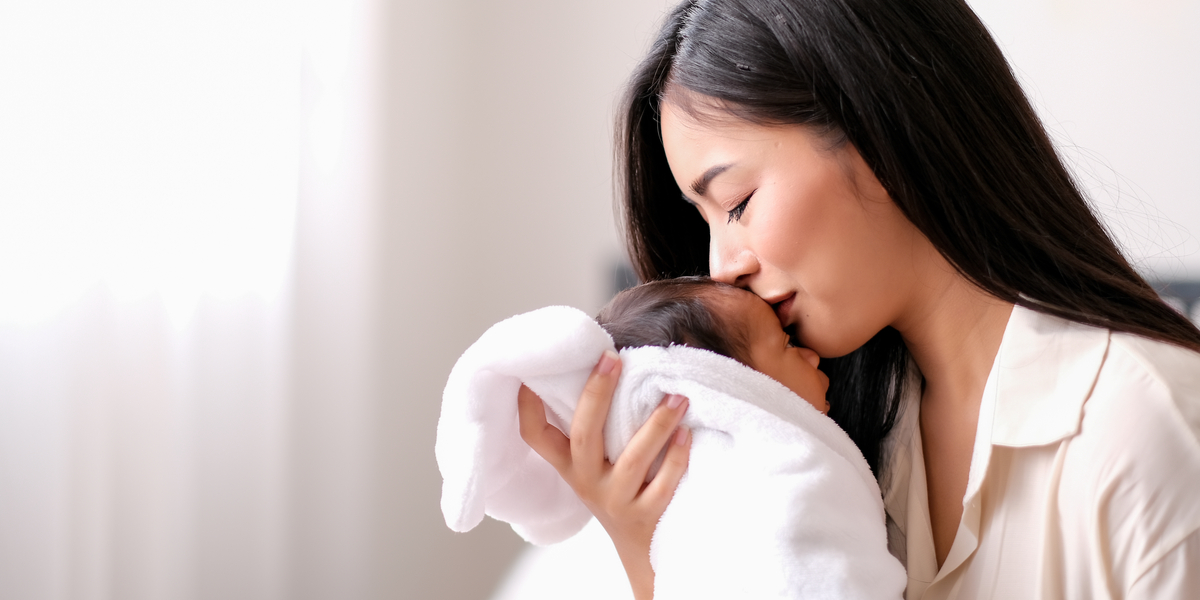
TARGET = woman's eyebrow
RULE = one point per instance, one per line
(700, 185)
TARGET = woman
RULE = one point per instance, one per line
(872, 169)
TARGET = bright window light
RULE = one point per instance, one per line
(146, 148)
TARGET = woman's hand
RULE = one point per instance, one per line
(617, 494)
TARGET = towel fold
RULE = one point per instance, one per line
(777, 501)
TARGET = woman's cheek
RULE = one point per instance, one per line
(787, 235)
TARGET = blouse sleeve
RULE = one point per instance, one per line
(1175, 575)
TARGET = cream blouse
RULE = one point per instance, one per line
(1084, 480)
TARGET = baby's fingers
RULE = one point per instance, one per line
(544, 438)
(661, 489)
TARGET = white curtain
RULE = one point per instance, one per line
(184, 298)
(241, 245)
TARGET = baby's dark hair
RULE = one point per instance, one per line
(679, 311)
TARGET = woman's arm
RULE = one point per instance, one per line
(617, 494)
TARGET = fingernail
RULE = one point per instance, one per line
(608, 362)
(674, 400)
(681, 435)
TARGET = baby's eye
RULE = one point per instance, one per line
(735, 214)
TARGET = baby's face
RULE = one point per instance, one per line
(772, 353)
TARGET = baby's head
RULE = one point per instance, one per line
(732, 322)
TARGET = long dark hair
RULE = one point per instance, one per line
(922, 91)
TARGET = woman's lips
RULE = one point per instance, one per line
(783, 310)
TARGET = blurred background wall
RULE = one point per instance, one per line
(242, 243)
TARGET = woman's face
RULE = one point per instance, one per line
(806, 227)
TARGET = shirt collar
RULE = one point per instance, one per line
(1045, 371)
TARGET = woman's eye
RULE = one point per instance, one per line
(735, 214)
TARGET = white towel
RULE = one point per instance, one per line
(777, 501)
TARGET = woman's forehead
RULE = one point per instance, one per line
(713, 123)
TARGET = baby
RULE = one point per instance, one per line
(776, 502)
(720, 318)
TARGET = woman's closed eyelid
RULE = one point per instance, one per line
(735, 213)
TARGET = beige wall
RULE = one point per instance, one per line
(1116, 83)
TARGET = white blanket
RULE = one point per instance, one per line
(777, 501)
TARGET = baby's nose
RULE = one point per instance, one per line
(810, 356)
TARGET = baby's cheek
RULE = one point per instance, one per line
(819, 384)
(811, 384)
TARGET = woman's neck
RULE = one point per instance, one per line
(953, 333)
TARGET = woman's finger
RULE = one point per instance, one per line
(544, 438)
(661, 489)
(631, 468)
(587, 426)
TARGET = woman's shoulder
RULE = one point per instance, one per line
(1131, 475)
(1138, 442)
(1157, 376)
(1123, 403)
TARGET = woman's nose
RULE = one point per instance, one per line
(729, 261)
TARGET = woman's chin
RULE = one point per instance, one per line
(831, 344)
